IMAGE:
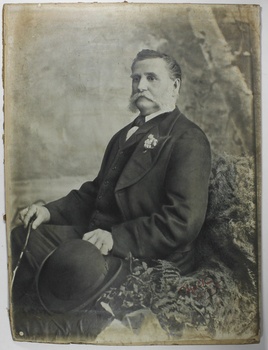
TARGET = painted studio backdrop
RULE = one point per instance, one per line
(67, 87)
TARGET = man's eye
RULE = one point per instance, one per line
(151, 78)
(136, 80)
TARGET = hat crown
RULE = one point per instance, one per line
(74, 275)
(75, 267)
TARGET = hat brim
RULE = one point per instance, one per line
(54, 305)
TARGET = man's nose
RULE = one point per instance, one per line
(142, 86)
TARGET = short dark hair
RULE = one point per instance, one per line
(173, 67)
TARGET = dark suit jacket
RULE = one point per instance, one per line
(162, 193)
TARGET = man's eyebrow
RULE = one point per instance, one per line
(151, 73)
(134, 75)
(146, 73)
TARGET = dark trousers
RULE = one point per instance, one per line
(41, 243)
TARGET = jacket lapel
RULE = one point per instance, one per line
(142, 159)
(123, 135)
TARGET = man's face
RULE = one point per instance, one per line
(152, 88)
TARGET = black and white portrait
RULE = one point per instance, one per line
(132, 173)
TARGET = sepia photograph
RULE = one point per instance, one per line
(132, 143)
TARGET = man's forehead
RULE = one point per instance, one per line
(150, 65)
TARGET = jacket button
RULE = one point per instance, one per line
(106, 182)
(121, 152)
(97, 212)
(114, 168)
(99, 197)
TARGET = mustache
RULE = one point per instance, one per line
(134, 97)
(137, 95)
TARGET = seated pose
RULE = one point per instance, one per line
(149, 199)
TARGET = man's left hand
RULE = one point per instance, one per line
(103, 240)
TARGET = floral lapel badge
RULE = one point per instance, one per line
(150, 143)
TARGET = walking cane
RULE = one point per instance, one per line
(23, 250)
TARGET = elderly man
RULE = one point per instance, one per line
(150, 196)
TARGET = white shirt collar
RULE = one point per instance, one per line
(132, 130)
(153, 115)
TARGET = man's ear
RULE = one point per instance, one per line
(177, 85)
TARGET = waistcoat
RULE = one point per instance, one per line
(107, 213)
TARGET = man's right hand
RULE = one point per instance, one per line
(41, 214)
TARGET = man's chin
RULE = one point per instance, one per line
(144, 103)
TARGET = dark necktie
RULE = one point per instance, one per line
(139, 121)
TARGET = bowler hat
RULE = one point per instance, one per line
(74, 275)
